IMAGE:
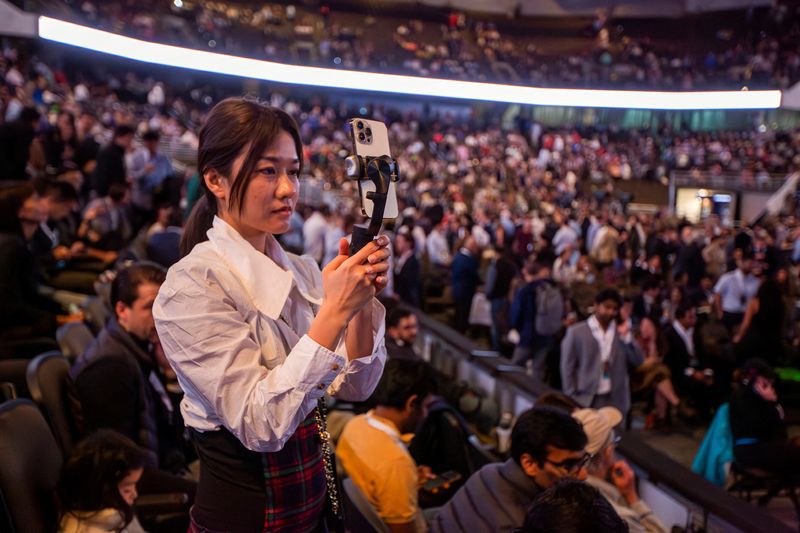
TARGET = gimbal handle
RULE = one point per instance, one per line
(379, 170)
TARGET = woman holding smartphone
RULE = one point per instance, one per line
(257, 336)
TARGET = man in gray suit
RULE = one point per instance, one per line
(596, 356)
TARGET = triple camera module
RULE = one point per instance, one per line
(363, 133)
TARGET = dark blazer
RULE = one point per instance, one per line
(640, 310)
(675, 354)
(23, 312)
(464, 276)
(581, 367)
(15, 148)
(408, 281)
(111, 381)
(110, 169)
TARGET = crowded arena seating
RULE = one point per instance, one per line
(518, 247)
(729, 51)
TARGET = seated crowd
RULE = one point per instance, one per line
(608, 306)
(758, 49)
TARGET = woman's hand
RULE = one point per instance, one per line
(350, 283)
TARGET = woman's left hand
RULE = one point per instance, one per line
(378, 262)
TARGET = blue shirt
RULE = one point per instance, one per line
(735, 290)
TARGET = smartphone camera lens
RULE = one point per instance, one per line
(361, 137)
(360, 125)
(369, 132)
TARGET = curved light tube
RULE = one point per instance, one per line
(176, 56)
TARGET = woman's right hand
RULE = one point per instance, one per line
(348, 282)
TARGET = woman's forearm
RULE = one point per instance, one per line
(358, 335)
(326, 329)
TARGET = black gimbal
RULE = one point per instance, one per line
(381, 171)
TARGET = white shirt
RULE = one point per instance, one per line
(735, 289)
(224, 316)
(314, 236)
(605, 338)
(438, 249)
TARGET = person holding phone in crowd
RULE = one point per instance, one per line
(257, 336)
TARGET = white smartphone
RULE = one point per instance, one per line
(371, 139)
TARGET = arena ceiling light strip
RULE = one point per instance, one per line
(175, 56)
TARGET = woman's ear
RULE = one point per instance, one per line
(218, 185)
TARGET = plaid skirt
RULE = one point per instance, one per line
(282, 491)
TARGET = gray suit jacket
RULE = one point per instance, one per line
(581, 367)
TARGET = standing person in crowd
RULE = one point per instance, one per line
(762, 329)
(612, 477)
(372, 450)
(681, 350)
(596, 356)
(546, 445)
(110, 167)
(401, 332)
(15, 144)
(97, 489)
(733, 291)
(407, 269)
(537, 314)
(257, 336)
(499, 277)
(464, 277)
(314, 230)
(436, 243)
(148, 170)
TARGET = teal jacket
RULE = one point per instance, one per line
(716, 450)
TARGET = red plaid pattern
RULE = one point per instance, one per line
(294, 480)
(294, 485)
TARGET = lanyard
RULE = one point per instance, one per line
(386, 428)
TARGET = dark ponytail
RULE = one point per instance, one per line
(234, 127)
(200, 221)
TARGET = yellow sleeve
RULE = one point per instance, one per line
(396, 491)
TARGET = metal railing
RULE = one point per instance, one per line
(704, 505)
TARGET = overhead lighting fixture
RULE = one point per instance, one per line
(176, 56)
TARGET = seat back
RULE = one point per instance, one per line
(361, 515)
(48, 382)
(30, 465)
(73, 339)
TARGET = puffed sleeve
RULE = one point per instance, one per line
(218, 362)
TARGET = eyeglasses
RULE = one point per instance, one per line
(572, 466)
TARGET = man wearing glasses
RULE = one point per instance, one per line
(614, 478)
(546, 445)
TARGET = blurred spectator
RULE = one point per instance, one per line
(537, 314)
(110, 168)
(546, 445)
(596, 357)
(15, 144)
(118, 381)
(569, 506)
(97, 488)
(612, 477)
(372, 451)
(465, 278)
(407, 270)
(401, 332)
(758, 426)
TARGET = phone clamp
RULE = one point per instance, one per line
(381, 171)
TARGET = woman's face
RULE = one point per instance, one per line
(127, 487)
(272, 192)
